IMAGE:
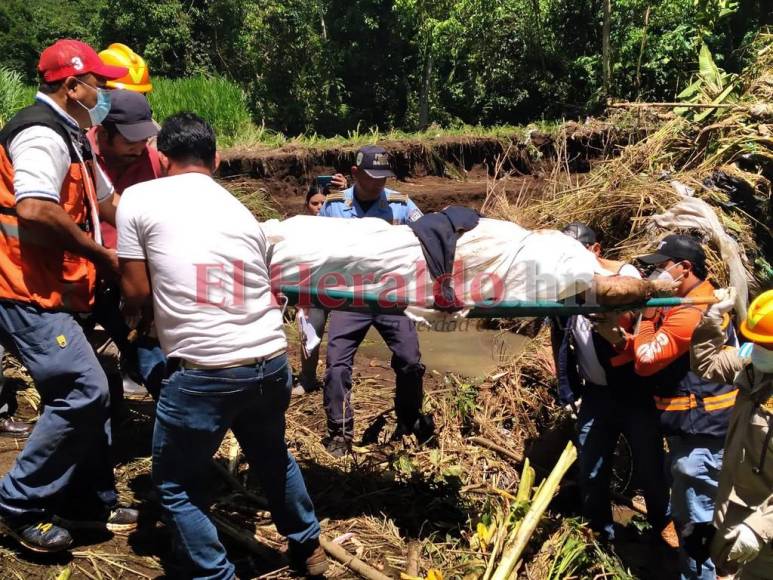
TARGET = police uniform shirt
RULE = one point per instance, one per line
(391, 206)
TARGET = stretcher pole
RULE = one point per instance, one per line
(336, 299)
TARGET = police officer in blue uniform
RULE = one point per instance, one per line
(369, 198)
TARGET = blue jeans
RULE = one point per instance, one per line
(195, 410)
(605, 414)
(66, 461)
(695, 464)
(7, 397)
(151, 364)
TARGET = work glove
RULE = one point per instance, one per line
(726, 302)
(747, 544)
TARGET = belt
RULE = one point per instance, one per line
(247, 362)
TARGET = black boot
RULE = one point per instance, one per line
(338, 445)
(423, 427)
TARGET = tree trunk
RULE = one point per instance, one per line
(641, 52)
(322, 20)
(538, 33)
(426, 80)
(606, 55)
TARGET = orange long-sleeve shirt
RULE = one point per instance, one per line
(664, 339)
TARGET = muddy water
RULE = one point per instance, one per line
(468, 351)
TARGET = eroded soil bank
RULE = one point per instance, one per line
(435, 172)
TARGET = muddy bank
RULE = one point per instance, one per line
(525, 153)
(431, 193)
(435, 172)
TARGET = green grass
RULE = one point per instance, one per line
(14, 94)
(224, 105)
(262, 137)
(221, 102)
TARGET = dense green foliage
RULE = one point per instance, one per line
(13, 93)
(216, 99)
(330, 66)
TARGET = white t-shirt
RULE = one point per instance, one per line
(587, 359)
(206, 254)
(41, 160)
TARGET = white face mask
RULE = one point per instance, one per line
(762, 358)
(663, 274)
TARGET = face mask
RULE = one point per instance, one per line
(661, 274)
(762, 358)
(98, 113)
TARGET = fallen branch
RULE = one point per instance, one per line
(628, 105)
(231, 479)
(246, 540)
(350, 561)
(412, 560)
(498, 448)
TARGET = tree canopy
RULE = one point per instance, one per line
(329, 66)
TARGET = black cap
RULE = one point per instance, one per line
(130, 113)
(580, 232)
(677, 247)
(374, 161)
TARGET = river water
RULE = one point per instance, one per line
(468, 350)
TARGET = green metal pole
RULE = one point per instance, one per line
(348, 300)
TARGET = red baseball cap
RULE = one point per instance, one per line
(70, 58)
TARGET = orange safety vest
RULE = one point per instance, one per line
(33, 267)
(690, 405)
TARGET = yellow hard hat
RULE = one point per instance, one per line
(758, 326)
(138, 77)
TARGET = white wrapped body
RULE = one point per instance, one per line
(498, 260)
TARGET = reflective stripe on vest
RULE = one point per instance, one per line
(720, 402)
(714, 403)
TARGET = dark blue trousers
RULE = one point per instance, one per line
(66, 460)
(605, 413)
(346, 330)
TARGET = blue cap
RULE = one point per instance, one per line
(374, 161)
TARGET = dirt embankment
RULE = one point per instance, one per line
(434, 172)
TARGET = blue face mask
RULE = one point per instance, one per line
(98, 113)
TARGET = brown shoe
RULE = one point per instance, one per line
(9, 427)
(308, 561)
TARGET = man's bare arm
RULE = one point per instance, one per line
(623, 290)
(135, 283)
